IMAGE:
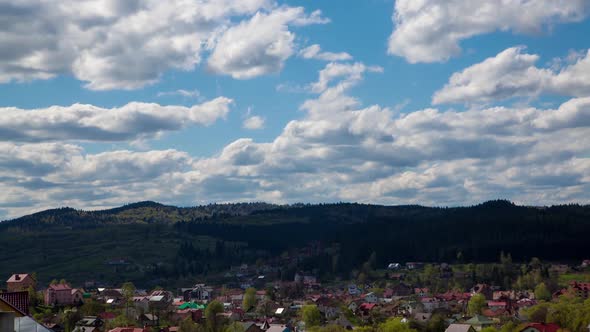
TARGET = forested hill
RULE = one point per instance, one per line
(171, 242)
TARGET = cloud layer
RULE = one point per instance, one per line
(260, 45)
(126, 45)
(431, 30)
(80, 122)
(339, 150)
(512, 73)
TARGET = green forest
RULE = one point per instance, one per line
(155, 244)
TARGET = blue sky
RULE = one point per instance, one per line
(429, 102)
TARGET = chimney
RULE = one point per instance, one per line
(16, 277)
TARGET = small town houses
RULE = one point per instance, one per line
(276, 307)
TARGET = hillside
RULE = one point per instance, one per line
(152, 243)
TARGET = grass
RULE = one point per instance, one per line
(564, 279)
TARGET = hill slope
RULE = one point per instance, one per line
(152, 243)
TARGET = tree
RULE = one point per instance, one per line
(120, 320)
(234, 327)
(538, 313)
(128, 291)
(91, 308)
(187, 325)
(476, 304)
(508, 327)
(436, 323)
(249, 299)
(34, 298)
(214, 322)
(542, 293)
(394, 325)
(311, 315)
(489, 329)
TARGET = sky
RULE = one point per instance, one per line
(189, 102)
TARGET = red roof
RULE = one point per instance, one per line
(494, 313)
(367, 306)
(18, 277)
(107, 315)
(497, 304)
(60, 287)
(580, 285)
(542, 327)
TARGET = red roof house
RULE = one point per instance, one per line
(541, 327)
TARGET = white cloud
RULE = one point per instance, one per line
(512, 73)
(112, 44)
(431, 30)
(338, 150)
(90, 123)
(315, 52)
(260, 45)
(254, 122)
(193, 94)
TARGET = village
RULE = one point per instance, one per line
(401, 297)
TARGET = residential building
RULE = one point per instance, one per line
(20, 282)
(62, 294)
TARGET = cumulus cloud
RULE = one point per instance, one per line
(315, 52)
(338, 150)
(254, 122)
(431, 30)
(260, 45)
(133, 121)
(129, 44)
(512, 73)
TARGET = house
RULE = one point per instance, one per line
(582, 289)
(160, 299)
(401, 290)
(559, 268)
(19, 300)
(414, 265)
(460, 328)
(422, 317)
(249, 327)
(393, 266)
(200, 292)
(141, 303)
(497, 305)
(89, 324)
(20, 282)
(479, 322)
(353, 306)
(329, 312)
(13, 318)
(113, 294)
(353, 290)
(541, 327)
(62, 294)
(278, 328)
(421, 291)
(430, 303)
(148, 320)
(371, 298)
(366, 308)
